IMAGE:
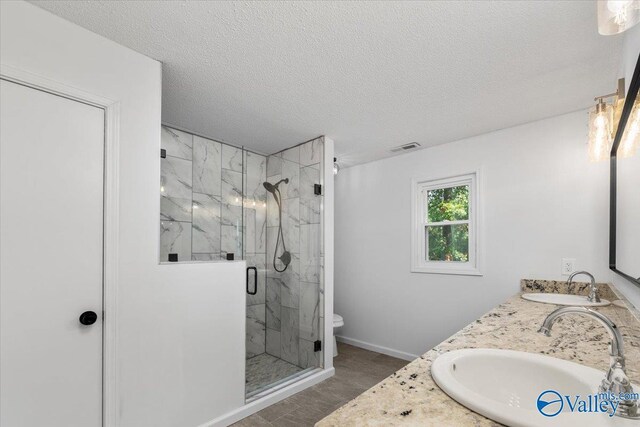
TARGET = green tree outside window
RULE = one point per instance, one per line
(448, 242)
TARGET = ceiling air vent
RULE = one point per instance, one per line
(405, 147)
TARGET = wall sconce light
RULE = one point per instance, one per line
(617, 16)
(631, 138)
(602, 123)
(336, 166)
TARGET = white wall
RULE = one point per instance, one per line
(630, 51)
(541, 199)
(180, 342)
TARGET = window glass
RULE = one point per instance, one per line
(448, 204)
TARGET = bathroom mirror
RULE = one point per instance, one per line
(624, 237)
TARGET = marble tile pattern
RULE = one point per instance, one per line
(311, 152)
(230, 241)
(410, 396)
(176, 178)
(274, 289)
(206, 224)
(308, 358)
(175, 237)
(175, 209)
(255, 330)
(309, 202)
(291, 224)
(292, 154)
(255, 175)
(231, 211)
(207, 172)
(291, 171)
(274, 165)
(249, 226)
(264, 370)
(293, 297)
(273, 342)
(231, 197)
(310, 253)
(309, 311)
(176, 143)
(272, 205)
(290, 335)
(290, 288)
(231, 158)
(255, 204)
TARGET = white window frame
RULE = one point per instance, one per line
(419, 189)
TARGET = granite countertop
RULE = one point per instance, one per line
(411, 397)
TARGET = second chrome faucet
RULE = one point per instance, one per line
(616, 381)
(593, 287)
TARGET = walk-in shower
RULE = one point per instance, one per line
(219, 203)
(285, 258)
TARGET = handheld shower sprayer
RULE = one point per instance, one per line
(285, 258)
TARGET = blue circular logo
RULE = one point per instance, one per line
(550, 403)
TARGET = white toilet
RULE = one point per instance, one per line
(338, 321)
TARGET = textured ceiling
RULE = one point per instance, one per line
(369, 75)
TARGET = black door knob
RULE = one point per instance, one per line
(88, 318)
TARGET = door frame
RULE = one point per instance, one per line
(111, 110)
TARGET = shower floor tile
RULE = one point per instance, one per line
(265, 369)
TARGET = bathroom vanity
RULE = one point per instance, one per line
(411, 397)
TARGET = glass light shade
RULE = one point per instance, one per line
(600, 132)
(631, 137)
(617, 16)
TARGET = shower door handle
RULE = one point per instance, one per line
(255, 280)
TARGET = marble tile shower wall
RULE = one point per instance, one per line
(204, 185)
(294, 297)
(201, 198)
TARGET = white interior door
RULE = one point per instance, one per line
(51, 259)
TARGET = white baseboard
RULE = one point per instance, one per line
(268, 400)
(378, 348)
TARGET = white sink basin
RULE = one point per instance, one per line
(504, 385)
(564, 299)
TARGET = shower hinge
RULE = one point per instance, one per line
(163, 153)
(317, 346)
(317, 189)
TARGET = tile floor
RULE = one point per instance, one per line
(356, 371)
(265, 369)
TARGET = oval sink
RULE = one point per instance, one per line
(505, 385)
(564, 299)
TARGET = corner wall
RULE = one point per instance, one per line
(541, 201)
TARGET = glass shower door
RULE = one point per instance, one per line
(290, 186)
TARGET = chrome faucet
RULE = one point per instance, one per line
(616, 380)
(593, 288)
